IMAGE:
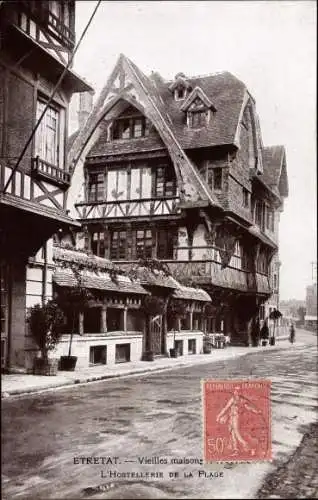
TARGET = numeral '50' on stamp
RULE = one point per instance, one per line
(237, 420)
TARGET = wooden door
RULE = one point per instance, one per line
(156, 334)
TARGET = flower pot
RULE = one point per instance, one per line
(272, 341)
(147, 356)
(173, 352)
(68, 363)
(47, 367)
(207, 349)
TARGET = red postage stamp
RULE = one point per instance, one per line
(237, 420)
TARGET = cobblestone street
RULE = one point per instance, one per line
(298, 477)
(153, 415)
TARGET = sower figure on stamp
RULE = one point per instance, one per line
(231, 414)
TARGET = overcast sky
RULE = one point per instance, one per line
(270, 46)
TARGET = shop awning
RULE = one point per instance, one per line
(66, 255)
(147, 277)
(190, 293)
(98, 281)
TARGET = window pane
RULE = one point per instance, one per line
(217, 174)
(135, 191)
(146, 183)
(137, 127)
(125, 129)
(47, 134)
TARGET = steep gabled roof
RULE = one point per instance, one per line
(227, 94)
(275, 173)
(132, 83)
(197, 92)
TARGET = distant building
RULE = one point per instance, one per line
(311, 307)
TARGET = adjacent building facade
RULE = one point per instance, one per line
(37, 40)
(176, 171)
(311, 307)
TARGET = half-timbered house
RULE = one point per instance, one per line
(37, 40)
(177, 171)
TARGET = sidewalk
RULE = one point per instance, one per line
(21, 384)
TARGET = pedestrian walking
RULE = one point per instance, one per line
(264, 333)
(292, 333)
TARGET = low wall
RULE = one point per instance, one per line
(185, 336)
(81, 346)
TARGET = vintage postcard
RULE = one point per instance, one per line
(157, 230)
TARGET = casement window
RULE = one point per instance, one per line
(259, 214)
(261, 265)
(60, 11)
(165, 183)
(117, 185)
(269, 219)
(96, 187)
(236, 259)
(140, 183)
(130, 128)
(165, 239)
(246, 198)
(275, 281)
(180, 93)
(47, 137)
(98, 244)
(118, 245)
(143, 243)
(197, 119)
(217, 179)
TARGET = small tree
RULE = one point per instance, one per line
(177, 309)
(46, 326)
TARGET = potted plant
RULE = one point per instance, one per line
(207, 345)
(46, 326)
(152, 306)
(73, 301)
(177, 310)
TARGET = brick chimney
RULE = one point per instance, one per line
(85, 107)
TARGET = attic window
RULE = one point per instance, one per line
(198, 118)
(180, 93)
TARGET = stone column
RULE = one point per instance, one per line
(104, 318)
(125, 319)
(191, 317)
(81, 323)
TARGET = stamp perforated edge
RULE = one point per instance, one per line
(243, 461)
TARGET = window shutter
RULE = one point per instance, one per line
(21, 117)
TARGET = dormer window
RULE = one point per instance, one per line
(197, 119)
(180, 93)
(180, 87)
(198, 108)
(130, 128)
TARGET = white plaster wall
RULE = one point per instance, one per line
(199, 241)
(182, 254)
(81, 347)
(76, 190)
(185, 335)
